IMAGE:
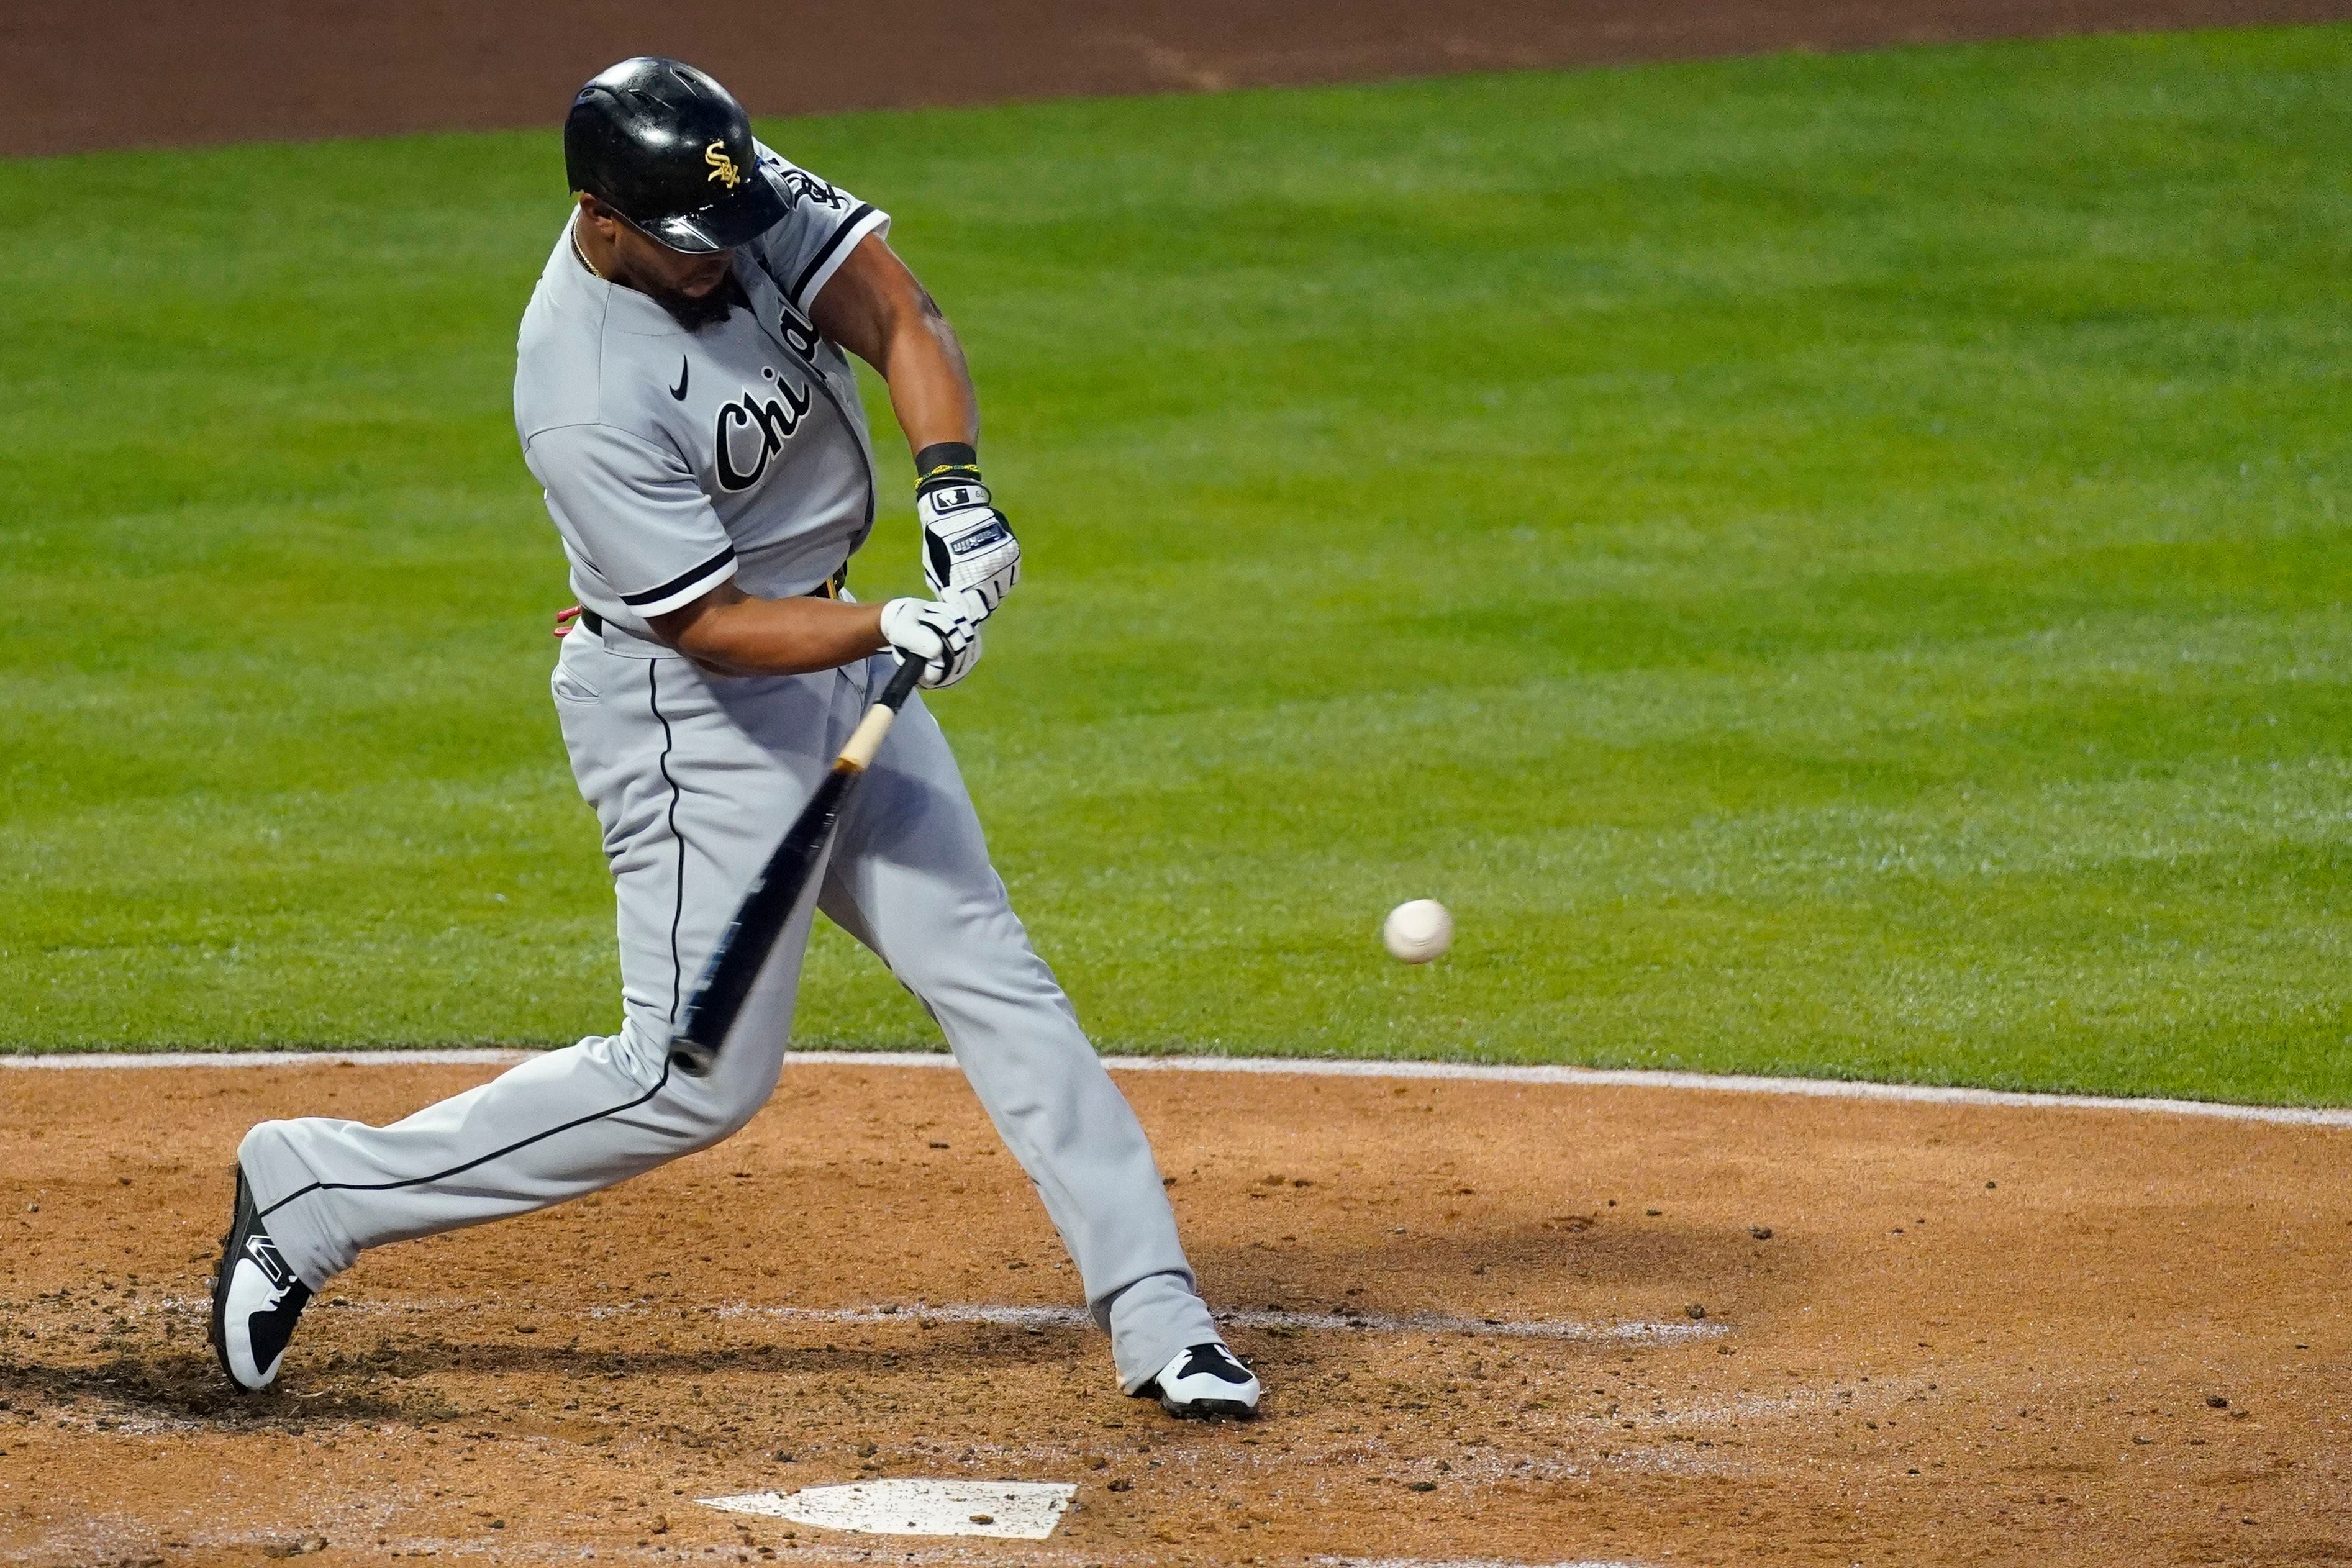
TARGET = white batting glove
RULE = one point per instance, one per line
(943, 634)
(967, 543)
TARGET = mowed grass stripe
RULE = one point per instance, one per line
(1830, 565)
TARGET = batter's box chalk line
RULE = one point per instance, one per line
(1500, 1328)
(1010, 1510)
(1369, 1323)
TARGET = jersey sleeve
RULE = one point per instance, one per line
(821, 226)
(633, 514)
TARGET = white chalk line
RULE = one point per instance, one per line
(1314, 1067)
(1369, 1322)
(1570, 1329)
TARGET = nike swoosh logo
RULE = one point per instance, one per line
(678, 391)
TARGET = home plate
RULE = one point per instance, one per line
(1016, 1510)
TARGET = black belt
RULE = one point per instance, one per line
(829, 589)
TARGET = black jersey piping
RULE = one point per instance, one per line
(683, 580)
(824, 254)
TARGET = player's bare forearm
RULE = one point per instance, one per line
(729, 632)
(874, 307)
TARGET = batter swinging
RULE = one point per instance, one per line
(682, 397)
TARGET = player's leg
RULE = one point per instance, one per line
(911, 879)
(692, 781)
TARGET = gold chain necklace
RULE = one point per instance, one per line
(583, 259)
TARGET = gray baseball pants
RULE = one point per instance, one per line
(693, 779)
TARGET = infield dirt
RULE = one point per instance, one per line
(147, 73)
(1930, 1334)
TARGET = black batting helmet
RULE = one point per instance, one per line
(669, 150)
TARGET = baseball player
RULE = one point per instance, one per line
(684, 398)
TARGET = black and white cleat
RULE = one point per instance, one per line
(256, 1299)
(1206, 1380)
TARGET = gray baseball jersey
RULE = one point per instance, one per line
(672, 461)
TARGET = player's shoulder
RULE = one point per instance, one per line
(582, 357)
(559, 347)
(821, 224)
(806, 194)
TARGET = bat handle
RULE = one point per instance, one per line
(902, 683)
(866, 739)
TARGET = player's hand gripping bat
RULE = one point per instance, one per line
(742, 952)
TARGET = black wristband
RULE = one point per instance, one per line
(953, 454)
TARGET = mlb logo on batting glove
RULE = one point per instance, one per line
(967, 543)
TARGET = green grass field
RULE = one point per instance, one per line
(1828, 565)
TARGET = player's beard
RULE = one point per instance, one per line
(695, 313)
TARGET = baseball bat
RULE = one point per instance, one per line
(768, 906)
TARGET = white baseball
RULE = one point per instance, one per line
(1418, 931)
